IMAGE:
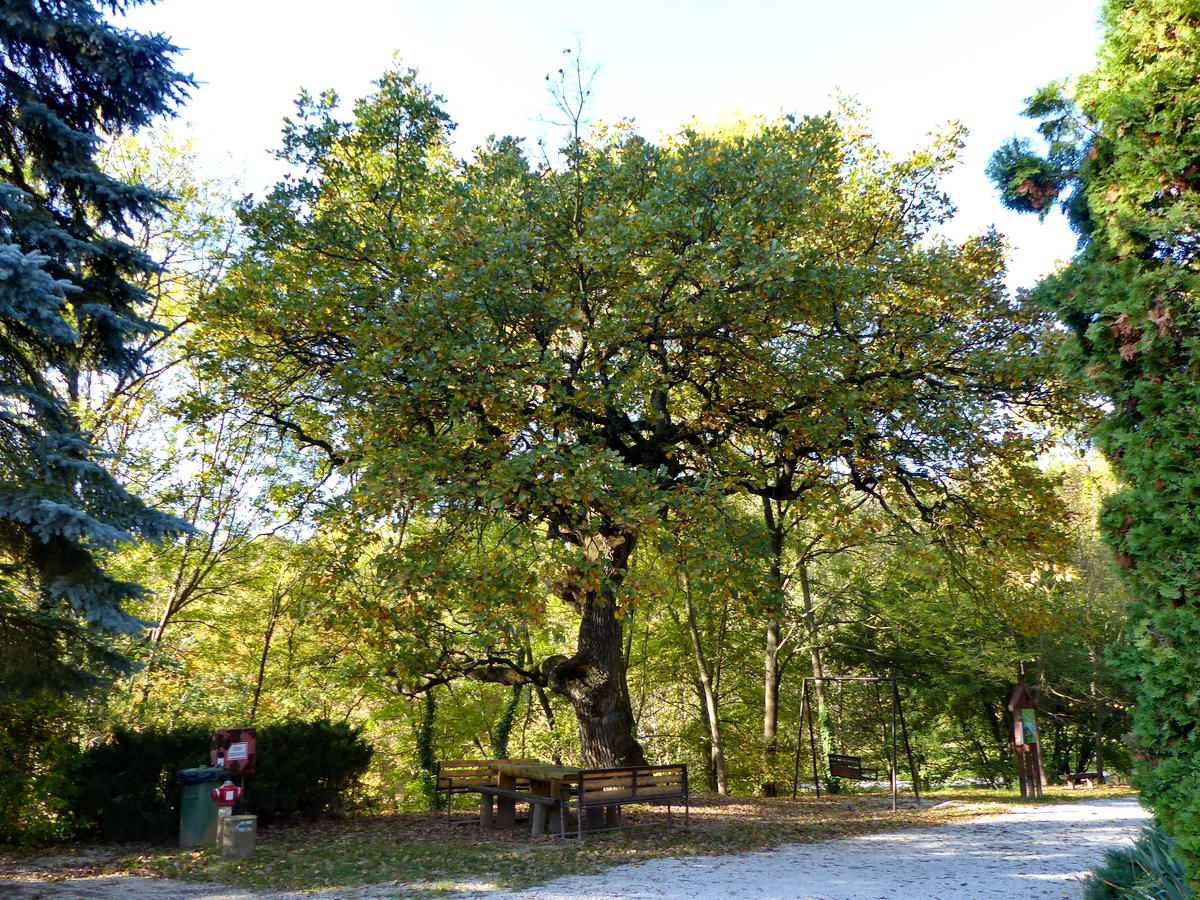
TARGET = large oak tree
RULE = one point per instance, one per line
(557, 354)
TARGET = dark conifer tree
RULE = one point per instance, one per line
(69, 305)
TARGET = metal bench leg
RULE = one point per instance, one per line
(558, 819)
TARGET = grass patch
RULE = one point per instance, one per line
(422, 856)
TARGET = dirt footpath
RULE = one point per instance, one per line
(1040, 852)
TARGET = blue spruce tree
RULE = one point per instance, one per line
(69, 306)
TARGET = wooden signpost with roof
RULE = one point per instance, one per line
(1023, 707)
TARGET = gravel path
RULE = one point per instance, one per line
(1037, 852)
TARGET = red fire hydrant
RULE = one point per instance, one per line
(226, 796)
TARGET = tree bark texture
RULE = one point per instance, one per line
(770, 724)
(594, 678)
(594, 681)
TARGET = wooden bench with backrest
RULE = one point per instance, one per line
(850, 767)
(467, 776)
(610, 789)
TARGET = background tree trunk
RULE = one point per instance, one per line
(770, 723)
(814, 641)
(708, 693)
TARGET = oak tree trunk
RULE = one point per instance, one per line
(593, 679)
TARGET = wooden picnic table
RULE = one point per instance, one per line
(1090, 779)
(545, 780)
(596, 794)
(542, 772)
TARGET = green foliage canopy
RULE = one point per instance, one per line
(568, 351)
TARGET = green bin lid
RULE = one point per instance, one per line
(201, 774)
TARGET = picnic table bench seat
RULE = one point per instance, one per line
(466, 776)
(540, 805)
(610, 789)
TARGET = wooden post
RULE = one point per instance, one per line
(1023, 706)
(1039, 780)
(558, 814)
(537, 812)
(912, 765)
(507, 806)
(537, 820)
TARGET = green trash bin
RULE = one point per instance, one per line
(197, 808)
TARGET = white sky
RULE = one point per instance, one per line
(915, 63)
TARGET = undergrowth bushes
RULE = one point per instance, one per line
(306, 769)
(37, 754)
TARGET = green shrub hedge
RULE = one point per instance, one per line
(306, 769)
(1146, 871)
(125, 789)
(37, 752)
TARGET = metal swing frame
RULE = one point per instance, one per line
(806, 706)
